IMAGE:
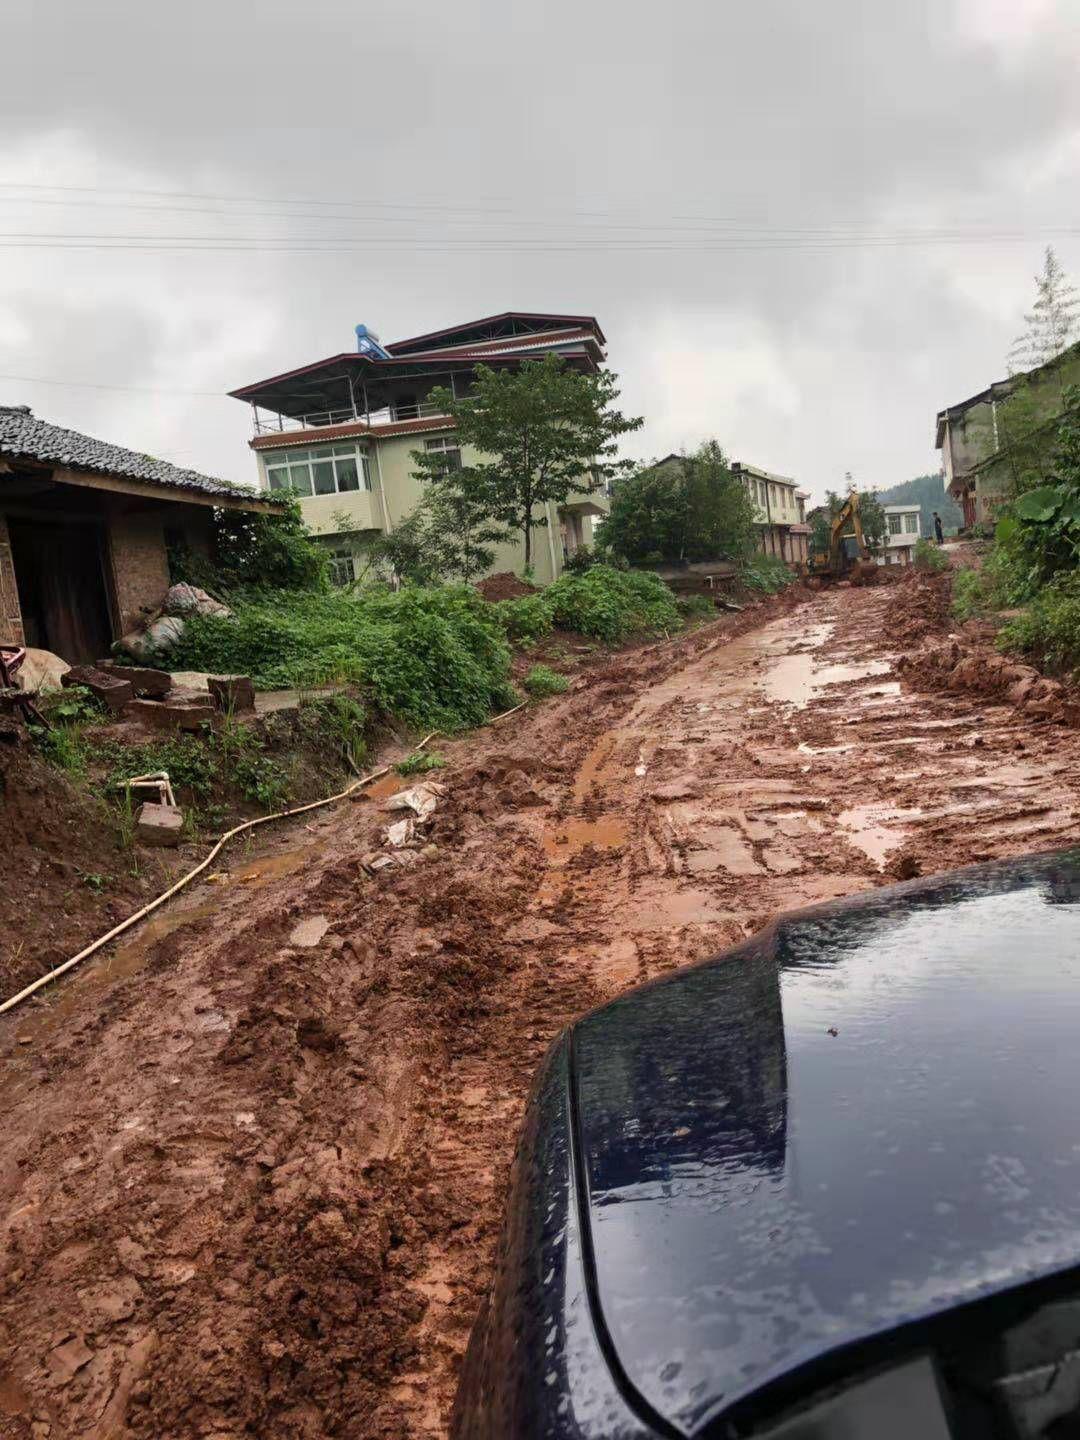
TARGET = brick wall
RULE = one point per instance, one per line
(140, 571)
(11, 626)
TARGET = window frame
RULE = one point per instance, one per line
(307, 457)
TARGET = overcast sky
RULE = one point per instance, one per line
(803, 227)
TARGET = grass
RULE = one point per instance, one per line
(1048, 630)
(422, 763)
(766, 574)
(929, 558)
(542, 681)
(601, 603)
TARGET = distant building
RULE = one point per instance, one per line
(780, 512)
(982, 442)
(902, 534)
(340, 432)
(85, 530)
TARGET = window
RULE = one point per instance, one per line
(322, 470)
(449, 447)
(911, 524)
(342, 568)
(894, 524)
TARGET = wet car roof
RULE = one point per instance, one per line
(761, 1190)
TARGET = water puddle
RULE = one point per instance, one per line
(796, 679)
(570, 837)
(877, 829)
(385, 786)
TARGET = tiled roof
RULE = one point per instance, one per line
(320, 434)
(22, 435)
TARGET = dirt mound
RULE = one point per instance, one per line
(505, 586)
(69, 877)
(963, 664)
(919, 606)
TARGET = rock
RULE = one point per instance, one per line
(67, 1359)
(107, 688)
(1020, 690)
(232, 693)
(159, 825)
(172, 714)
(144, 681)
(190, 600)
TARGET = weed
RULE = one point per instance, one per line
(345, 719)
(94, 881)
(766, 574)
(1049, 629)
(420, 763)
(929, 558)
(696, 606)
(969, 592)
(542, 681)
(73, 705)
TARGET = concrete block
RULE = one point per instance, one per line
(109, 690)
(146, 682)
(171, 714)
(235, 693)
(159, 824)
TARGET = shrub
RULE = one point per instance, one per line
(1049, 629)
(581, 560)
(435, 657)
(766, 573)
(525, 620)
(929, 558)
(612, 605)
(970, 596)
(542, 681)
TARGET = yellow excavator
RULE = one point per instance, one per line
(848, 556)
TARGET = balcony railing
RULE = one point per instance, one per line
(269, 423)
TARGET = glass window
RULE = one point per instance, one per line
(449, 447)
(911, 524)
(342, 568)
(300, 478)
(894, 524)
(278, 478)
(322, 473)
(347, 477)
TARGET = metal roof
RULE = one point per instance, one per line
(24, 436)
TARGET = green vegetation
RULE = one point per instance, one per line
(871, 516)
(432, 657)
(695, 606)
(690, 507)
(1050, 626)
(602, 603)
(420, 763)
(544, 432)
(929, 558)
(542, 681)
(449, 536)
(254, 552)
(968, 598)
(766, 573)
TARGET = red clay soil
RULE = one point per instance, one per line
(251, 1175)
(68, 878)
(504, 586)
(943, 652)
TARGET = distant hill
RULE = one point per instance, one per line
(928, 492)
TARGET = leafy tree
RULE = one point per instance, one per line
(543, 432)
(447, 536)
(689, 508)
(1042, 524)
(1052, 320)
(269, 551)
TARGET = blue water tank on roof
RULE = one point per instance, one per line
(367, 343)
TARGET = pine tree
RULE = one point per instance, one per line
(1052, 320)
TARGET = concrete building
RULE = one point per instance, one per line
(989, 440)
(902, 534)
(341, 432)
(780, 511)
(84, 533)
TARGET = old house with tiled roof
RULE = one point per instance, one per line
(84, 533)
(341, 432)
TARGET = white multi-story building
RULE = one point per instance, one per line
(902, 534)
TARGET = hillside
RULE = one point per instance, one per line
(928, 491)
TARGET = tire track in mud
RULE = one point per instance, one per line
(254, 1187)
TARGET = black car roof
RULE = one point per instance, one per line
(862, 1118)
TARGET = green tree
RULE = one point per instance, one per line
(269, 551)
(684, 509)
(543, 432)
(871, 514)
(1052, 320)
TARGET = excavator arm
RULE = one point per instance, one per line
(836, 563)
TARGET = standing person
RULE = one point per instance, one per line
(939, 534)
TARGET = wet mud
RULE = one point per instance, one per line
(251, 1178)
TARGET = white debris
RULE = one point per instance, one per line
(402, 832)
(423, 800)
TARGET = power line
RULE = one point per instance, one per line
(97, 385)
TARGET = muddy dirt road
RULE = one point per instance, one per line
(251, 1168)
